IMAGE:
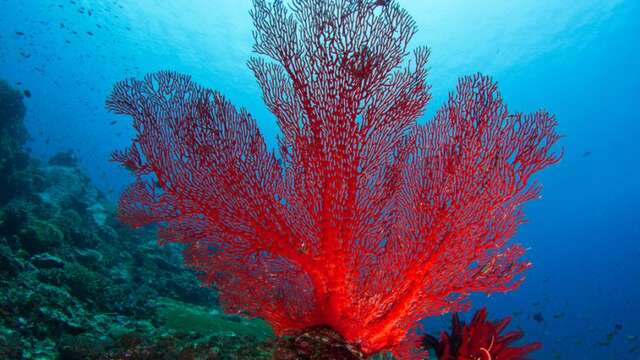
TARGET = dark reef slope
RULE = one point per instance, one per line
(76, 284)
(12, 136)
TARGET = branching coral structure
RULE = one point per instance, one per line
(364, 221)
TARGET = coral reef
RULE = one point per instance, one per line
(365, 222)
(76, 284)
(316, 343)
(479, 340)
(13, 135)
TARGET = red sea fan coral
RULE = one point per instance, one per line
(479, 340)
(366, 222)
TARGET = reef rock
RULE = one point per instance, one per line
(13, 135)
(76, 284)
(47, 261)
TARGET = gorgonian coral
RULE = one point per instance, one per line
(364, 221)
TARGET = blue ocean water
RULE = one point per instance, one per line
(578, 59)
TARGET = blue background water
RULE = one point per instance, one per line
(578, 58)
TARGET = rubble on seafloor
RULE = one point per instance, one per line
(76, 284)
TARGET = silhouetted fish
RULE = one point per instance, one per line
(558, 315)
(538, 317)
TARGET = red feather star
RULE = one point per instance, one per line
(480, 340)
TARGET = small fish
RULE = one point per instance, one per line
(586, 154)
(538, 317)
(27, 93)
(604, 343)
(89, 33)
(19, 33)
(558, 315)
(112, 122)
(610, 336)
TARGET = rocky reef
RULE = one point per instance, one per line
(76, 284)
(13, 135)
